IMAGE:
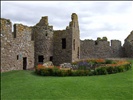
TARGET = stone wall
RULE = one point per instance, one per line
(71, 52)
(23, 46)
(61, 55)
(100, 49)
(15, 46)
(116, 49)
(128, 45)
(7, 57)
(43, 37)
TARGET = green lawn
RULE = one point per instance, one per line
(25, 85)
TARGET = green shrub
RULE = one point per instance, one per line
(86, 72)
(110, 70)
(55, 71)
(101, 71)
(91, 73)
(120, 68)
(115, 69)
(80, 72)
(110, 62)
(44, 72)
(127, 67)
(74, 73)
(69, 72)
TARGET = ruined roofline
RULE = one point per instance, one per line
(5, 19)
(74, 17)
(43, 21)
(131, 33)
(59, 30)
(20, 24)
(100, 40)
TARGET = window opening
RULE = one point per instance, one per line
(24, 63)
(74, 44)
(40, 58)
(78, 53)
(63, 43)
(17, 57)
(51, 58)
(96, 43)
(14, 33)
(46, 34)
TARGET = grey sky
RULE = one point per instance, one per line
(96, 18)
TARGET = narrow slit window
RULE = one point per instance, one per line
(14, 33)
(63, 43)
(74, 44)
(78, 53)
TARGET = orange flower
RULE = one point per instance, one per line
(39, 66)
(58, 67)
(119, 63)
(100, 60)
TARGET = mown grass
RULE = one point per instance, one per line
(25, 85)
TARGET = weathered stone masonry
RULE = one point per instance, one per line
(70, 39)
(128, 45)
(43, 41)
(101, 49)
(27, 47)
(17, 49)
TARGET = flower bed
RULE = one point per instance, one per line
(85, 68)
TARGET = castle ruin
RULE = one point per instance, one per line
(26, 47)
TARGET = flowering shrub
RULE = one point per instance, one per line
(85, 68)
(119, 63)
(120, 66)
(100, 61)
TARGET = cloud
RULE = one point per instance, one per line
(96, 18)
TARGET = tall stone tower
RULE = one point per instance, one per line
(74, 29)
(66, 43)
(43, 41)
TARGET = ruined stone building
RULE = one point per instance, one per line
(25, 47)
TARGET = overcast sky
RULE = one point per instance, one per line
(113, 19)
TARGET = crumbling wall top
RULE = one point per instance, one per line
(74, 17)
(115, 43)
(130, 36)
(5, 21)
(6, 27)
(43, 21)
(74, 22)
(5, 24)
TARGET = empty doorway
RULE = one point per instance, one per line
(24, 63)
